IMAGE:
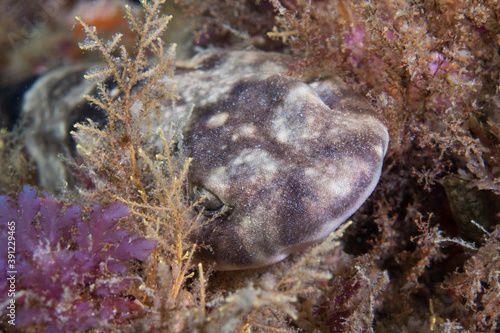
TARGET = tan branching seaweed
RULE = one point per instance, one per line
(276, 294)
(124, 166)
(476, 289)
(15, 170)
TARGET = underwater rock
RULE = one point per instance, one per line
(470, 204)
(281, 161)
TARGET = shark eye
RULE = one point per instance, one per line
(209, 204)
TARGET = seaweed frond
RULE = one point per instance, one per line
(128, 161)
(475, 290)
(16, 169)
(303, 290)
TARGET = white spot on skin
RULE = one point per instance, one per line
(301, 117)
(338, 189)
(379, 150)
(246, 130)
(311, 172)
(301, 94)
(336, 180)
(217, 120)
(282, 130)
(257, 164)
(217, 180)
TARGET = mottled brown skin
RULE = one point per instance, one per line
(280, 163)
(290, 168)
